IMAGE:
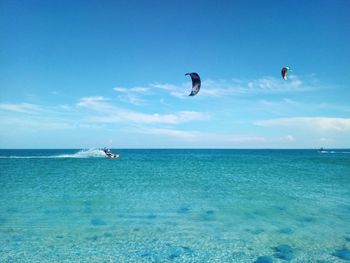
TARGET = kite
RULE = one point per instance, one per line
(196, 83)
(284, 72)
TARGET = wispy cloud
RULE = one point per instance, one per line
(28, 117)
(319, 123)
(96, 103)
(287, 107)
(209, 88)
(199, 136)
(32, 117)
(122, 115)
(329, 106)
(91, 100)
(132, 99)
(225, 140)
(132, 90)
(166, 132)
(179, 91)
(276, 84)
(34, 123)
(113, 114)
(20, 107)
(219, 88)
(225, 102)
(132, 95)
(166, 86)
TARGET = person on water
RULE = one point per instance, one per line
(107, 152)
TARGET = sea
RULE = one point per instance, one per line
(175, 205)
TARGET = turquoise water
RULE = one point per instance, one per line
(175, 205)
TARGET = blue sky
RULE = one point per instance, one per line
(81, 74)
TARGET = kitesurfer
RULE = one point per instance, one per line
(107, 152)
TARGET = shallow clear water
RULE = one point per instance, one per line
(175, 205)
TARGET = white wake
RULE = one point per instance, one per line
(89, 153)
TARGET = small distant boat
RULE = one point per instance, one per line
(321, 150)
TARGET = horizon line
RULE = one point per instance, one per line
(173, 148)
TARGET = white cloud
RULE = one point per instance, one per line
(167, 132)
(34, 123)
(286, 106)
(122, 115)
(133, 99)
(218, 88)
(20, 107)
(201, 137)
(166, 86)
(179, 91)
(328, 106)
(119, 89)
(97, 103)
(112, 114)
(26, 117)
(132, 90)
(274, 84)
(132, 95)
(90, 100)
(209, 88)
(320, 123)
